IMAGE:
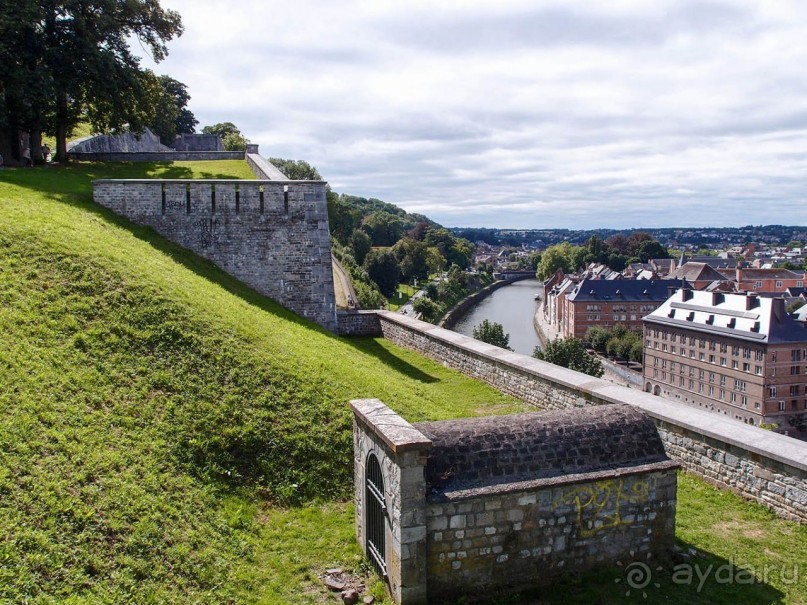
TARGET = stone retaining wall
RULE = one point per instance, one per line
(271, 235)
(759, 465)
(158, 156)
(528, 537)
(358, 323)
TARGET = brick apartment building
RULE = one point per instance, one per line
(740, 355)
(764, 280)
(606, 303)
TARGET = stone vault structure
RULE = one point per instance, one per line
(452, 508)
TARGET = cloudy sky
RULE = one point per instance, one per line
(534, 114)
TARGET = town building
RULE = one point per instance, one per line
(764, 280)
(606, 303)
(740, 355)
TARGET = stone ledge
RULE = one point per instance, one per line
(562, 480)
(394, 431)
(213, 181)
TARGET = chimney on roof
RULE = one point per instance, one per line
(686, 294)
(717, 298)
(738, 273)
(751, 301)
(778, 308)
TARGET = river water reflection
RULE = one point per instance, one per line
(512, 306)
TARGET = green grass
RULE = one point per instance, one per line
(169, 436)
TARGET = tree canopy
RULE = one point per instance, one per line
(492, 333)
(570, 353)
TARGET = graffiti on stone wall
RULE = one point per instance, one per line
(174, 203)
(600, 503)
(207, 227)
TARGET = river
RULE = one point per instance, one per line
(512, 306)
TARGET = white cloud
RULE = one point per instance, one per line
(522, 113)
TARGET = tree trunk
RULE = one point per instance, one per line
(36, 146)
(61, 127)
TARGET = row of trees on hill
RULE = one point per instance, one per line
(63, 62)
(386, 245)
(618, 251)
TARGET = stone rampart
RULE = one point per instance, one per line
(271, 235)
(759, 465)
(157, 156)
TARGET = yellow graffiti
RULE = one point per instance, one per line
(601, 502)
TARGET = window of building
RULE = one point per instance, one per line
(747, 352)
(740, 385)
(735, 364)
(711, 345)
(758, 370)
(756, 405)
(691, 384)
(746, 367)
(711, 391)
(778, 284)
(794, 390)
(722, 381)
(722, 395)
(758, 354)
(735, 350)
(711, 376)
(795, 355)
(757, 284)
(672, 349)
(672, 366)
(794, 370)
(700, 387)
(733, 397)
(771, 391)
(781, 406)
(664, 347)
(723, 361)
(711, 358)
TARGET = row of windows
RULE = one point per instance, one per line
(735, 364)
(702, 343)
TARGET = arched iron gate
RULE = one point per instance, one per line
(376, 515)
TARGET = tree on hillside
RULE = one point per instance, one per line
(382, 267)
(296, 170)
(570, 353)
(361, 245)
(83, 49)
(492, 333)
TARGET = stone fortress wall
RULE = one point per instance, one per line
(271, 235)
(759, 465)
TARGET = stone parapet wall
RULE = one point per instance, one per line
(271, 235)
(158, 156)
(263, 169)
(759, 465)
(358, 323)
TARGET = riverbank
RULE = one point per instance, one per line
(458, 311)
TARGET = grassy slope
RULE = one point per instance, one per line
(156, 416)
(148, 402)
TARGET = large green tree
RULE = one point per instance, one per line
(492, 333)
(83, 49)
(172, 116)
(570, 353)
(383, 269)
